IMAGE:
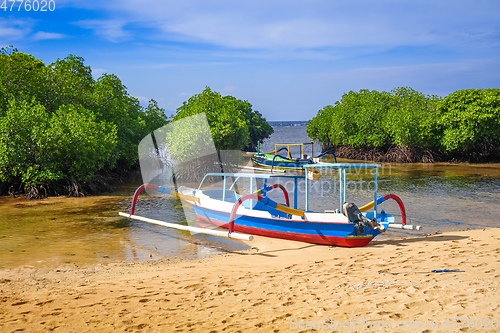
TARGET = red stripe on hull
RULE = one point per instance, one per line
(313, 239)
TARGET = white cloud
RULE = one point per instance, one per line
(111, 30)
(42, 35)
(260, 24)
(143, 100)
(438, 78)
(96, 72)
(322, 30)
(14, 29)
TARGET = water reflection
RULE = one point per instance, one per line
(448, 196)
(80, 231)
(439, 196)
(54, 231)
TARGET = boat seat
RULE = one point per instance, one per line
(231, 196)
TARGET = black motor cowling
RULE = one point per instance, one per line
(352, 212)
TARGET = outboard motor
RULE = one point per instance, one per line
(351, 211)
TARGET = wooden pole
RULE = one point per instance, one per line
(188, 228)
(404, 226)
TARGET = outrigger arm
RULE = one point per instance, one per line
(175, 225)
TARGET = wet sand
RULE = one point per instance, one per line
(278, 286)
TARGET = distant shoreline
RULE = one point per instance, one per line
(392, 153)
(288, 123)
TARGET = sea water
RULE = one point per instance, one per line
(440, 196)
(49, 232)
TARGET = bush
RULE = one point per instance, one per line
(233, 123)
(357, 120)
(465, 124)
(411, 121)
(318, 128)
(470, 121)
(59, 125)
(38, 148)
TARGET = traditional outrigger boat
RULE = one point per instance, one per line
(275, 160)
(255, 213)
(176, 154)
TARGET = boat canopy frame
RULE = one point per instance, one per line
(342, 168)
(237, 176)
(301, 146)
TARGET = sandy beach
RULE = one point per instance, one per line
(278, 286)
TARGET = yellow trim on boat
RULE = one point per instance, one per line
(367, 206)
(289, 210)
(185, 197)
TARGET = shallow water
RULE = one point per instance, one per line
(440, 196)
(54, 231)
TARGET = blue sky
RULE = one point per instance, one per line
(287, 58)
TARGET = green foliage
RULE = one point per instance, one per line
(8, 50)
(470, 118)
(465, 122)
(357, 120)
(362, 118)
(412, 120)
(258, 127)
(21, 130)
(81, 145)
(67, 81)
(233, 123)
(22, 77)
(113, 104)
(38, 148)
(318, 128)
(58, 123)
(153, 117)
(186, 140)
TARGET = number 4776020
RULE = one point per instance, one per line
(28, 5)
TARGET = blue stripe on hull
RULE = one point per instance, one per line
(339, 230)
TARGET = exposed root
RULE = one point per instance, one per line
(74, 189)
(102, 182)
(397, 154)
(36, 193)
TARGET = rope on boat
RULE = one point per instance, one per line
(381, 199)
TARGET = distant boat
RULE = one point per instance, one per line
(273, 160)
